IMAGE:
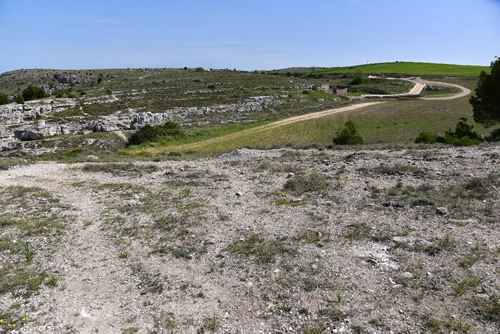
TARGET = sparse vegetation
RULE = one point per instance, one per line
(301, 184)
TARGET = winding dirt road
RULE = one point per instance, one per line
(464, 91)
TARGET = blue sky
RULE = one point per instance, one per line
(246, 34)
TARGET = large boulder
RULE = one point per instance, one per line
(101, 126)
(40, 131)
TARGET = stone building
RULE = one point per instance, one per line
(333, 90)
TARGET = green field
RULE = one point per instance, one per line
(392, 122)
(409, 68)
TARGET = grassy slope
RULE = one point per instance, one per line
(411, 68)
(390, 122)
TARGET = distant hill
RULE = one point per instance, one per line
(409, 68)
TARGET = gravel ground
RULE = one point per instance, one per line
(280, 241)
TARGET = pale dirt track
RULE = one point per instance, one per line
(464, 91)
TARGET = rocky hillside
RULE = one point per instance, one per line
(82, 102)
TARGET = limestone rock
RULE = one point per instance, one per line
(442, 211)
(40, 131)
(412, 242)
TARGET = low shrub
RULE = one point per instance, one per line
(154, 133)
(494, 135)
(19, 99)
(301, 184)
(462, 136)
(4, 99)
(456, 141)
(426, 137)
(348, 135)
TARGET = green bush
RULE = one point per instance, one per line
(463, 135)
(426, 137)
(494, 135)
(348, 135)
(456, 141)
(33, 93)
(464, 130)
(357, 81)
(154, 133)
(19, 99)
(4, 99)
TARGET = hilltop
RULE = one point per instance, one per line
(410, 68)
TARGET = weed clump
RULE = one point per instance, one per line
(265, 251)
(301, 184)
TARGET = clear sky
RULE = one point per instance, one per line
(245, 34)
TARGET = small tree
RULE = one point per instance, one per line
(348, 135)
(486, 103)
(33, 93)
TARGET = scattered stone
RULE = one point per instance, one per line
(407, 275)
(239, 194)
(412, 242)
(442, 211)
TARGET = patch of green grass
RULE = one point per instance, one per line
(433, 324)
(471, 281)
(358, 231)
(489, 309)
(149, 283)
(447, 243)
(263, 250)
(211, 323)
(300, 184)
(331, 312)
(313, 329)
(413, 68)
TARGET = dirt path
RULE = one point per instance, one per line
(272, 126)
(464, 91)
(95, 284)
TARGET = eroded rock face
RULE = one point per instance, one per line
(101, 126)
(74, 79)
(252, 104)
(18, 113)
(40, 131)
